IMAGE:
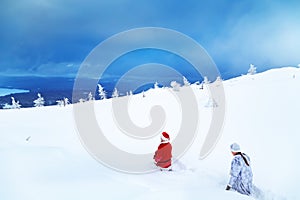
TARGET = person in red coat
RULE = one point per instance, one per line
(163, 154)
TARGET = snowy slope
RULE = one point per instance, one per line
(42, 157)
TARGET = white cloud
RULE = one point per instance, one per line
(269, 38)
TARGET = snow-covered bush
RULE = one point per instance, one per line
(252, 70)
(101, 92)
(186, 82)
(198, 85)
(201, 86)
(175, 86)
(60, 102)
(81, 100)
(156, 85)
(6, 106)
(115, 93)
(66, 101)
(206, 81)
(14, 104)
(39, 102)
(63, 102)
(219, 79)
(90, 97)
(211, 103)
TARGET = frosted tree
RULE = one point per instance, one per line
(14, 104)
(206, 81)
(252, 70)
(196, 83)
(81, 100)
(6, 106)
(175, 86)
(60, 102)
(219, 79)
(39, 102)
(130, 93)
(101, 92)
(63, 102)
(143, 93)
(201, 86)
(90, 97)
(115, 93)
(186, 82)
(211, 103)
(156, 85)
(66, 101)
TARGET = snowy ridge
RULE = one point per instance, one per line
(42, 158)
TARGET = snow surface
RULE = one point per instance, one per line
(6, 91)
(42, 157)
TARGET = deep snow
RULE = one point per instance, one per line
(42, 157)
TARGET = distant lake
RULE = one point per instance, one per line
(6, 91)
(25, 89)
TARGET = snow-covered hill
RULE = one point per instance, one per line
(42, 157)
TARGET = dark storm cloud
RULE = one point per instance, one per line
(46, 37)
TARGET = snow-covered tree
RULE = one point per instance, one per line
(156, 85)
(186, 82)
(175, 86)
(6, 106)
(115, 93)
(130, 93)
(219, 79)
(81, 100)
(252, 70)
(201, 86)
(14, 104)
(211, 103)
(143, 93)
(39, 102)
(206, 81)
(90, 97)
(66, 101)
(63, 102)
(60, 102)
(101, 92)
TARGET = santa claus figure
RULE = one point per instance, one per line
(163, 154)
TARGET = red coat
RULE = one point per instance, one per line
(163, 155)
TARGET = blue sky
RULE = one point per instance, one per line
(52, 37)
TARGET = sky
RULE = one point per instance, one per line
(53, 37)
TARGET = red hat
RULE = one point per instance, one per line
(165, 136)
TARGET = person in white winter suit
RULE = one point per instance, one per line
(240, 173)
